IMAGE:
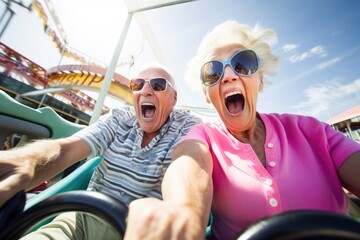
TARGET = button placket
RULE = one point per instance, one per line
(273, 202)
(272, 164)
(268, 182)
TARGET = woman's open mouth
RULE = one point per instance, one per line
(234, 102)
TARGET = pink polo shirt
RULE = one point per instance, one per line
(302, 159)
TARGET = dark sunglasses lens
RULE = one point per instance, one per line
(158, 84)
(137, 84)
(245, 63)
(211, 72)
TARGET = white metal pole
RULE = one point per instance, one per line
(110, 71)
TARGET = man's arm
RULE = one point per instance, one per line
(187, 192)
(26, 167)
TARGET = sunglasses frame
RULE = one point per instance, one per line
(228, 62)
(149, 81)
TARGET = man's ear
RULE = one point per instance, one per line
(175, 98)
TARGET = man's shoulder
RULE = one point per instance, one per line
(123, 112)
(181, 115)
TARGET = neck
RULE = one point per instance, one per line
(147, 137)
(254, 135)
(256, 138)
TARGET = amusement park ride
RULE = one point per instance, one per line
(35, 102)
(64, 82)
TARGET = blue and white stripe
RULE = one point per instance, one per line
(128, 171)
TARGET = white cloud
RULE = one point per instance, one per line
(320, 66)
(289, 47)
(325, 98)
(298, 58)
(328, 63)
(317, 51)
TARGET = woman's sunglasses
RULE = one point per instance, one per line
(157, 84)
(243, 63)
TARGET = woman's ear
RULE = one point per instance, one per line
(261, 85)
(206, 92)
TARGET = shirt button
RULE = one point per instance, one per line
(122, 193)
(268, 182)
(272, 164)
(270, 145)
(273, 202)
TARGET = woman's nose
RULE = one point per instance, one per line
(229, 75)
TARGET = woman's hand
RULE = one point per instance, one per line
(150, 218)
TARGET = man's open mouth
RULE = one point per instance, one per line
(148, 110)
(234, 102)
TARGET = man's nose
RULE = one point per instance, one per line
(146, 90)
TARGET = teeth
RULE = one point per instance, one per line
(147, 104)
(232, 93)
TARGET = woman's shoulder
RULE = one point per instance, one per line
(287, 118)
(212, 126)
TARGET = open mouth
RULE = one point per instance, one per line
(148, 110)
(234, 102)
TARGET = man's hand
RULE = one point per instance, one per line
(150, 218)
(15, 174)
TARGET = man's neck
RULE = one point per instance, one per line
(147, 137)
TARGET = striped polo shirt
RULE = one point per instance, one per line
(127, 170)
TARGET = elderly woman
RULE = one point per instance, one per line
(249, 165)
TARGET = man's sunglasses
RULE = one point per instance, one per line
(157, 84)
(243, 63)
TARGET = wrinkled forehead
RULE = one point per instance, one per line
(153, 72)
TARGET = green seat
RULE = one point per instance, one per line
(35, 123)
(17, 118)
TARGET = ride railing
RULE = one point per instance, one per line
(29, 123)
(16, 118)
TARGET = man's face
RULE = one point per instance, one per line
(153, 107)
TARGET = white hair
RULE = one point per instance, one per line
(232, 32)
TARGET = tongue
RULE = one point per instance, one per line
(234, 107)
(149, 113)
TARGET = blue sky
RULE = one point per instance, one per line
(318, 44)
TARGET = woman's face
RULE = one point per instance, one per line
(234, 96)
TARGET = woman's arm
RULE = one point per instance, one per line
(187, 196)
(349, 173)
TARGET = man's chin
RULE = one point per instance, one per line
(149, 126)
(147, 119)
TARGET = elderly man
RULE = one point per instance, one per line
(136, 145)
